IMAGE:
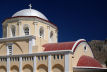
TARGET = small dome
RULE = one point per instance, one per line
(30, 12)
(88, 62)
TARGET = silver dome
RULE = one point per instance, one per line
(30, 12)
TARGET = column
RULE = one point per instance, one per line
(34, 64)
(49, 63)
(7, 30)
(66, 63)
(30, 45)
(48, 27)
(20, 64)
(35, 24)
(19, 28)
(8, 64)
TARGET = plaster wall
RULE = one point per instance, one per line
(80, 50)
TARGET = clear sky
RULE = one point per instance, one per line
(75, 19)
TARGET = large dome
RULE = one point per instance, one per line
(30, 12)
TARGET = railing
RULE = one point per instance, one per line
(37, 56)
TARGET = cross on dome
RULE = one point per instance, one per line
(30, 12)
(30, 6)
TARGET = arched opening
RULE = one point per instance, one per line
(26, 30)
(42, 68)
(27, 68)
(51, 36)
(2, 69)
(58, 68)
(41, 32)
(13, 30)
(14, 69)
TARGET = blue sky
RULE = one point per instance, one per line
(75, 19)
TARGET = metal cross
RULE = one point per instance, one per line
(30, 6)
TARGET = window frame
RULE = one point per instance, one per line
(26, 27)
(43, 32)
(51, 33)
(8, 50)
(13, 30)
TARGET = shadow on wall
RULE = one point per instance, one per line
(106, 63)
(3, 69)
(14, 68)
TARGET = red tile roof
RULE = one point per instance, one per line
(58, 46)
(62, 46)
(88, 62)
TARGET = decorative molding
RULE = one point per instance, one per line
(48, 27)
(35, 22)
(76, 43)
(41, 53)
(17, 38)
(15, 19)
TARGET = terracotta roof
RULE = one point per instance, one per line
(88, 62)
(63, 46)
(58, 46)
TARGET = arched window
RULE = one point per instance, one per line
(51, 34)
(85, 48)
(13, 30)
(26, 30)
(41, 32)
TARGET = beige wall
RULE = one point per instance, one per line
(19, 47)
(80, 51)
(34, 27)
(3, 67)
(3, 49)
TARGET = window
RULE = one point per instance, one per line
(38, 57)
(54, 57)
(42, 57)
(13, 29)
(9, 49)
(26, 31)
(51, 34)
(45, 57)
(41, 32)
(61, 56)
(57, 56)
(85, 48)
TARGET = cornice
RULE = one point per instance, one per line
(17, 38)
(41, 53)
(32, 18)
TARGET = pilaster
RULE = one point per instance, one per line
(49, 63)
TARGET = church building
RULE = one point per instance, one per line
(30, 44)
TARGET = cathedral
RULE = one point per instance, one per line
(30, 44)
